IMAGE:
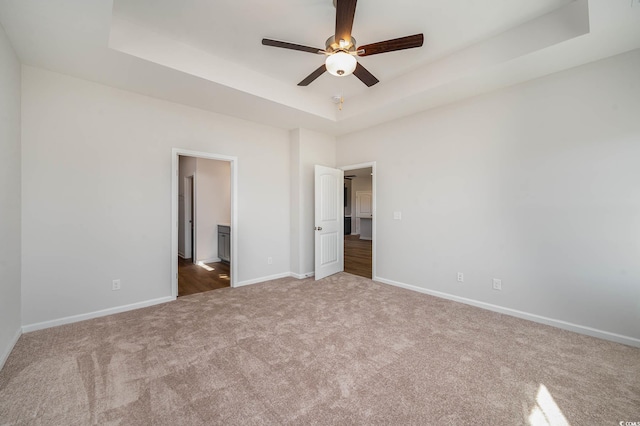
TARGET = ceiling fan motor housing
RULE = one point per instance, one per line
(332, 46)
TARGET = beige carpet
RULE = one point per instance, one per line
(344, 350)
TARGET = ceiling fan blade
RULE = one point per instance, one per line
(345, 13)
(365, 76)
(317, 73)
(292, 46)
(401, 43)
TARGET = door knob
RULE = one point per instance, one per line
(318, 228)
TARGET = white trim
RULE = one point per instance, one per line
(210, 260)
(263, 279)
(12, 344)
(275, 277)
(175, 154)
(182, 255)
(593, 332)
(302, 276)
(374, 210)
(96, 314)
(194, 213)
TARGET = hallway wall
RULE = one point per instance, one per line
(213, 205)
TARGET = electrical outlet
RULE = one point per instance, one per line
(460, 277)
(115, 285)
(270, 260)
(497, 284)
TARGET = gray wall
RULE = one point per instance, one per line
(97, 198)
(307, 149)
(538, 185)
(10, 181)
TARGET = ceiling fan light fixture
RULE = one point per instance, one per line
(341, 48)
(341, 64)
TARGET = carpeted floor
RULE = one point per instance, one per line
(344, 350)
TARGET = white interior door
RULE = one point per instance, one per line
(364, 204)
(329, 221)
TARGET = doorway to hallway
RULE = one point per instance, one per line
(359, 214)
(204, 206)
(204, 220)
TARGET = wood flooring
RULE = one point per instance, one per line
(194, 279)
(357, 256)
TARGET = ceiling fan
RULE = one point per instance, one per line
(341, 50)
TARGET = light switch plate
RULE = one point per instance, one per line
(397, 215)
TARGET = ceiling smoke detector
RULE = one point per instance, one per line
(338, 100)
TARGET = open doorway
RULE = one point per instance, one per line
(359, 217)
(203, 222)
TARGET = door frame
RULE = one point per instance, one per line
(175, 154)
(374, 202)
(190, 204)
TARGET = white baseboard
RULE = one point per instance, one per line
(631, 341)
(275, 277)
(181, 255)
(210, 260)
(302, 276)
(90, 315)
(263, 279)
(4, 356)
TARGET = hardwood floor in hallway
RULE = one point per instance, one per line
(358, 256)
(194, 279)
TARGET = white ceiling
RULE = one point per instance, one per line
(233, 30)
(208, 53)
